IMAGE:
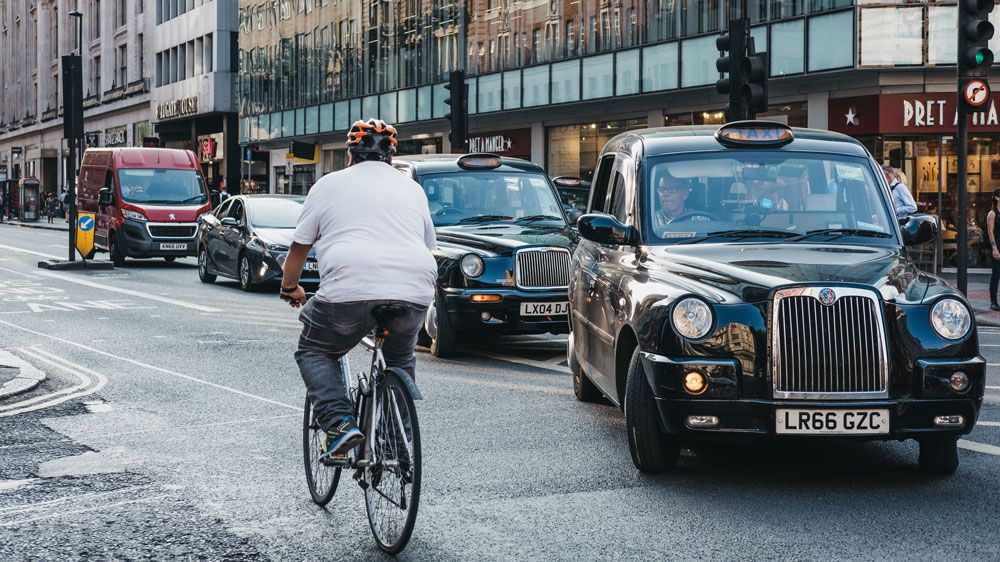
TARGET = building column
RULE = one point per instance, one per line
(654, 118)
(538, 144)
(231, 139)
(43, 33)
(817, 105)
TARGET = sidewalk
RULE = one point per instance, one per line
(43, 223)
(979, 297)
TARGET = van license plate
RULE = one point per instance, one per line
(831, 422)
(311, 266)
(169, 246)
(544, 308)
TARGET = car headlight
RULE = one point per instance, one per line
(692, 318)
(951, 319)
(472, 265)
(134, 215)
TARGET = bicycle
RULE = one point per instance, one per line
(388, 464)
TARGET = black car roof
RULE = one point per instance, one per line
(701, 138)
(437, 163)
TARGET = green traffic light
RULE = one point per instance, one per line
(980, 57)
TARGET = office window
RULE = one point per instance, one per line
(141, 51)
(341, 116)
(831, 41)
(95, 67)
(95, 10)
(536, 86)
(536, 46)
(570, 38)
(891, 36)
(424, 103)
(512, 89)
(626, 73)
(566, 81)
(659, 67)
(440, 94)
(788, 44)
(406, 109)
(159, 69)
(326, 122)
(698, 58)
(387, 107)
(489, 93)
(122, 64)
(598, 76)
(121, 12)
(700, 16)
(473, 95)
(662, 19)
(942, 25)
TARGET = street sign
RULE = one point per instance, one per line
(976, 93)
(85, 233)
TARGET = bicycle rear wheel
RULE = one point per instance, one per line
(393, 493)
(321, 478)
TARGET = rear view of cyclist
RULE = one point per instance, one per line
(373, 235)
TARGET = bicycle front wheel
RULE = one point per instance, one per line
(321, 478)
(393, 493)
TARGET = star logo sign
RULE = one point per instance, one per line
(852, 117)
(507, 144)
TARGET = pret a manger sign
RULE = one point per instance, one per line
(938, 112)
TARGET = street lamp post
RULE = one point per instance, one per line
(75, 143)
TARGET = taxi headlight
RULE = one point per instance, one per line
(951, 319)
(472, 265)
(692, 318)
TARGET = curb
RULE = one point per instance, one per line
(980, 321)
(39, 226)
(27, 379)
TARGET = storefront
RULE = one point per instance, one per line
(915, 133)
(573, 149)
(514, 143)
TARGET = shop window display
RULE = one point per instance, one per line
(573, 149)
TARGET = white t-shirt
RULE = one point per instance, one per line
(373, 235)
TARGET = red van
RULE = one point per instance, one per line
(147, 201)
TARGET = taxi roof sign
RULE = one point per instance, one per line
(754, 133)
(479, 161)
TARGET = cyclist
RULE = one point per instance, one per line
(373, 235)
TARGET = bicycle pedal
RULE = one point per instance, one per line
(336, 460)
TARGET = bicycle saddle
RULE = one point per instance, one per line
(383, 313)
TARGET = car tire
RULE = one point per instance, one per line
(117, 257)
(584, 390)
(652, 450)
(939, 454)
(443, 337)
(203, 273)
(245, 275)
(170, 259)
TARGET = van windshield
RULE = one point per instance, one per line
(162, 187)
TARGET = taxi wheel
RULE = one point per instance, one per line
(584, 390)
(117, 257)
(652, 449)
(439, 328)
(203, 273)
(939, 454)
(246, 282)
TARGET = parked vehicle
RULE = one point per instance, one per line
(574, 193)
(751, 282)
(247, 238)
(503, 247)
(146, 200)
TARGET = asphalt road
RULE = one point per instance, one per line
(169, 426)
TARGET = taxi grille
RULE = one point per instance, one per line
(828, 351)
(542, 269)
(172, 230)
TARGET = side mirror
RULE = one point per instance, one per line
(605, 229)
(229, 221)
(919, 229)
(105, 197)
(211, 220)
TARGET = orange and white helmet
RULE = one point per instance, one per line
(372, 137)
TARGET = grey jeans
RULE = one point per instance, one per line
(330, 330)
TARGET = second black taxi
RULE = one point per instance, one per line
(752, 282)
(503, 251)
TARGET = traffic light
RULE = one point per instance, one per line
(974, 34)
(753, 69)
(733, 44)
(458, 116)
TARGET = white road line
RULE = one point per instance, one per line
(499, 384)
(32, 252)
(18, 406)
(88, 510)
(155, 368)
(988, 423)
(527, 362)
(140, 294)
(17, 273)
(993, 387)
(979, 447)
(65, 365)
(29, 506)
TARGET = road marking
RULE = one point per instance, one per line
(140, 294)
(527, 362)
(155, 368)
(989, 423)
(23, 251)
(499, 384)
(17, 273)
(979, 447)
(29, 506)
(49, 400)
(87, 510)
(993, 387)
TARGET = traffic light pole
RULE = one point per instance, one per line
(963, 202)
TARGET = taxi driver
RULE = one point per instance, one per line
(672, 195)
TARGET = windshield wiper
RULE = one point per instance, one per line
(534, 218)
(484, 218)
(741, 234)
(192, 199)
(838, 232)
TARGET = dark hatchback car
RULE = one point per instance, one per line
(752, 282)
(247, 237)
(503, 247)
(574, 194)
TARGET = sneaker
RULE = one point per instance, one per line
(994, 306)
(343, 437)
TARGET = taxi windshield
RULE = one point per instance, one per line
(764, 196)
(472, 197)
(162, 187)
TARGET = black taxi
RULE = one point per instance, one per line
(752, 281)
(503, 247)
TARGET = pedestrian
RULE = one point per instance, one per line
(51, 205)
(223, 192)
(62, 203)
(3, 203)
(902, 200)
(993, 229)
